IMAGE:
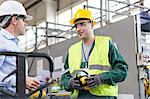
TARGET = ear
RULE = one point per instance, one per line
(92, 26)
(14, 20)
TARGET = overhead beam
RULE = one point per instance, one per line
(30, 3)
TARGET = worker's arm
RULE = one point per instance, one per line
(117, 74)
(119, 67)
(5, 69)
(65, 77)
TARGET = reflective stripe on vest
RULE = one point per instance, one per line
(98, 57)
(99, 67)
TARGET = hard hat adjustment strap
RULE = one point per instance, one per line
(5, 20)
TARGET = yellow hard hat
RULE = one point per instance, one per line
(83, 13)
(148, 67)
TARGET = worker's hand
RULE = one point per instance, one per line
(32, 83)
(74, 84)
(93, 81)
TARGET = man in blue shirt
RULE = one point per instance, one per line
(13, 19)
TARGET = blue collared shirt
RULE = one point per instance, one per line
(8, 43)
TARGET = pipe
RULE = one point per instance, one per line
(107, 10)
(130, 4)
(126, 6)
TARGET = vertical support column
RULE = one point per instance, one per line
(46, 34)
(108, 18)
(20, 80)
(51, 12)
(36, 39)
(129, 8)
(47, 40)
(139, 50)
(101, 12)
(141, 83)
(138, 34)
(106, 13)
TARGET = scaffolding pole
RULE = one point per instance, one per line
(107, 10)
(130, 4)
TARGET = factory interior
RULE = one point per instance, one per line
(49, 35)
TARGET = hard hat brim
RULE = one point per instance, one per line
(28, 17)
(73, 20)
(94, 22)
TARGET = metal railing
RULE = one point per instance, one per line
(20, 72)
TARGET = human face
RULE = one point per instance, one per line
(20, 27)
(84, 29)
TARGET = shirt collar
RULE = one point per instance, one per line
(8, 35)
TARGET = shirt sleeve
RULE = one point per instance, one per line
(2, 58)
(66, 76)
(119, 70)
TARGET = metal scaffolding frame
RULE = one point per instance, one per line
(130, 4)
(20, 73)
(49, 31)
(107, 10)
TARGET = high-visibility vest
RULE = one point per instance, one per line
(98, 63)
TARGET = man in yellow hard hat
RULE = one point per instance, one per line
(13, 19)
(96, 55)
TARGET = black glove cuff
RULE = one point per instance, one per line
(101, 81)
(69, 83)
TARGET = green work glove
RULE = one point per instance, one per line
(93, 81)
(74, 84)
